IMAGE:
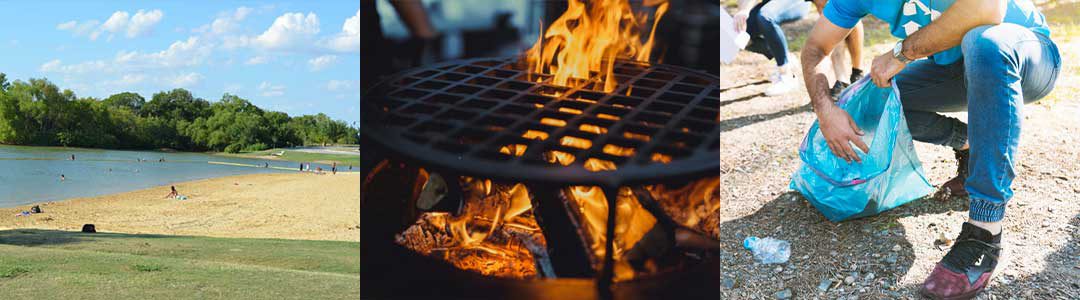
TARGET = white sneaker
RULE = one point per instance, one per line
(783, 82)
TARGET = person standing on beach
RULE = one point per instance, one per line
(301, 167)
(333, 168)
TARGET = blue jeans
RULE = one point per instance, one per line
(1004, 67)
(763, 25)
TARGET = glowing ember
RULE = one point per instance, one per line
(587, 39)
(493, 235)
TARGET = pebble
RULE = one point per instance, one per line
(891, 259)
(870, 276)
(849, 280)
(825, 285)
(785, 294)
(896, 248)
(728, 283)
(778, 269)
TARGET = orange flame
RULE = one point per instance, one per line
(587, 38)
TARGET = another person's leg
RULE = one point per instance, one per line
(1005, 67)
(854, 42)
(770, 17)
(768, 20)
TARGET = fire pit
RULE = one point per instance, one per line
(494, 181)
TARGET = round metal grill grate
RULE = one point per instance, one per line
(489, 118)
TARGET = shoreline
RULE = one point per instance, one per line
(341, 159)
(302, 206)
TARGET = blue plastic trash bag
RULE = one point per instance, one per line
(889, 175)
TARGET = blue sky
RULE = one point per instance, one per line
(299, 57)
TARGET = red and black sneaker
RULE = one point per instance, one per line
(967, 268)
(955, 186)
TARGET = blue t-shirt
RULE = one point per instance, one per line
(907, 16)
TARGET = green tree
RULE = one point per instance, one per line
(129, 100)
(40, 113)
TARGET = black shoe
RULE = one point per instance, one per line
(966, 269)
(856, 74)
(837, 88)
(955, 186)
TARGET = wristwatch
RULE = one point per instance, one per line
(898, 52)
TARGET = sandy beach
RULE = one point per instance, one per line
(287, 206)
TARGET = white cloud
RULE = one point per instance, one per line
(132, 26)
(184, 53)
(267, 89)
(50, 66)
(225, 22)
(56, 66)
(242, 12)
(180, 53)
(69, 25)
(289, 31)
(338, 85)
(126, 81)
(321, 62)
(234, 42)
(79, 29)
(143, 22)
(348, 40)
(257, 60)
(185, 80)
(116, 22)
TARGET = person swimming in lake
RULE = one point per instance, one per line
(62, 178)
(173, 193)
(73, 157)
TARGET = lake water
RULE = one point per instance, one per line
(32, 174)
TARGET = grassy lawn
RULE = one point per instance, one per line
(300, 156)
(47, 264)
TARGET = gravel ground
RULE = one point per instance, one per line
(888, 256)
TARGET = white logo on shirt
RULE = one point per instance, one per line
(911, 8)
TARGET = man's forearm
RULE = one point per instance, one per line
(814, 74)
(949, 29)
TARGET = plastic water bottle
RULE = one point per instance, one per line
(768, 250)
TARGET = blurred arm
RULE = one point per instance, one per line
(415, 17)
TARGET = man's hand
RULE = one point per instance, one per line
(883, 69)
(840, 132)
(740, 21)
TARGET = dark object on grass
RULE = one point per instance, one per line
(88, 228)
(35, 209)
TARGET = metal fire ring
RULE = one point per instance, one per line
(456, 116)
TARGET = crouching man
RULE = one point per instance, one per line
(986, 57)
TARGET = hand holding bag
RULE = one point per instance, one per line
(889, 175)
